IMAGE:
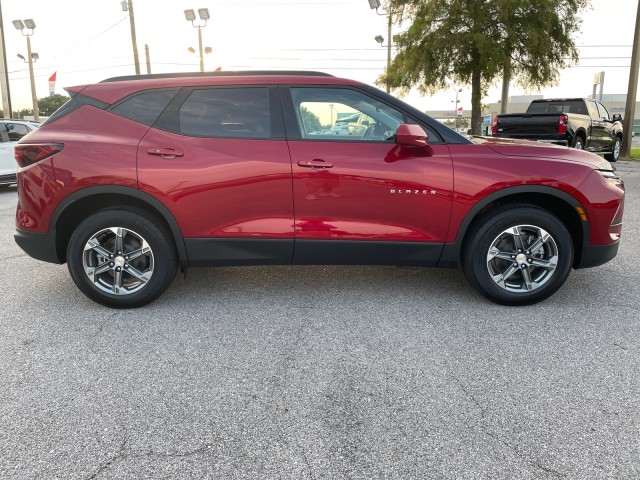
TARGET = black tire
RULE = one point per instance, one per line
(140, 273)
(578, 143)
(495, 232)
(615, 152)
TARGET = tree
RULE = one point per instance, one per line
(48, 105)
(310, 120)
(477, 41)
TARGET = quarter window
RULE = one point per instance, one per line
(145, 107)
(226, 113)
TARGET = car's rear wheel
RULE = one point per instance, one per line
(121, 258)
(518, 255)
(578, 143)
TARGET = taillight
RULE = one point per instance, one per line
(495, 126)
(29, 154)
(562, 124)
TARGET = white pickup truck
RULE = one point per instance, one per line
(10, 132)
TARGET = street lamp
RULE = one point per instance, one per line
(374, 5)
(190, 15)
(29, 25)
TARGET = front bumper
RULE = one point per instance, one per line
(595, 255)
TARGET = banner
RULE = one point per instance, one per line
(459, 113)
(52, 84)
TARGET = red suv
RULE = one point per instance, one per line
(136, 177)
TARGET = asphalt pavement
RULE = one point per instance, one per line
(321, 372)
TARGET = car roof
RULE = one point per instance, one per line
(114, 89)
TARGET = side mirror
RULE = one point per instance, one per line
(616, 117)
(411, 135)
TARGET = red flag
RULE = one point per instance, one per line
(52, 84)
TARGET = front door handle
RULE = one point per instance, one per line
(316, 164)
(165, 152)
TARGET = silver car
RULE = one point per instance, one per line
(10, 132)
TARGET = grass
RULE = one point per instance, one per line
(635, 153)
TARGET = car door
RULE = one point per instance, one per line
(607, 127)
(218, 159)
(361, 198)
(598, 127)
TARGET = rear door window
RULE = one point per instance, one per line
(226, 113)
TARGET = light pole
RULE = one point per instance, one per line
(29, 25)
(374, 5)
(190, 15)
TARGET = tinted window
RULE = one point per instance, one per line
(227, 113)
(343, 115)
(566, 106)
(145, 107)
(16, 131)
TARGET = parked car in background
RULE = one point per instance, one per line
(575, 122)
(137, 177)
(10, 132)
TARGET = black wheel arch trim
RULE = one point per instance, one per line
(451, 252)
(153, 202)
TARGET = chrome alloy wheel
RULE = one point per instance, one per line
(118, 261)
(617, 147)
(522, 258)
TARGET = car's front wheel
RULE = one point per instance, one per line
(121, 258)
(615, 151)
(518, 255)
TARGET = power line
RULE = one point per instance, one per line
(111, 27)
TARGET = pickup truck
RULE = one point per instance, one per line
(575, 122)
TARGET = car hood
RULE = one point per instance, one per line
(527, 148)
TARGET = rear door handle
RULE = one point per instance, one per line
(165, 152)
(316, 163)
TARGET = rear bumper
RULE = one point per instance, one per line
(8, 179)
(41, 246)
(595, 255)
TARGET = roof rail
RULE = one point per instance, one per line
(217, 74)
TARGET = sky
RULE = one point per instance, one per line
(86, 41)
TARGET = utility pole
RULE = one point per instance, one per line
(632, 91)
(128, 5)
(4, 73)
(147, 57)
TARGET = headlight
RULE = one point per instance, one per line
(611, 178)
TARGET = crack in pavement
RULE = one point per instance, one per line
(534, 463)
(122, 454)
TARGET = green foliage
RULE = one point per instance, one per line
(310, 120)
(476, 41)
(48, 105)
